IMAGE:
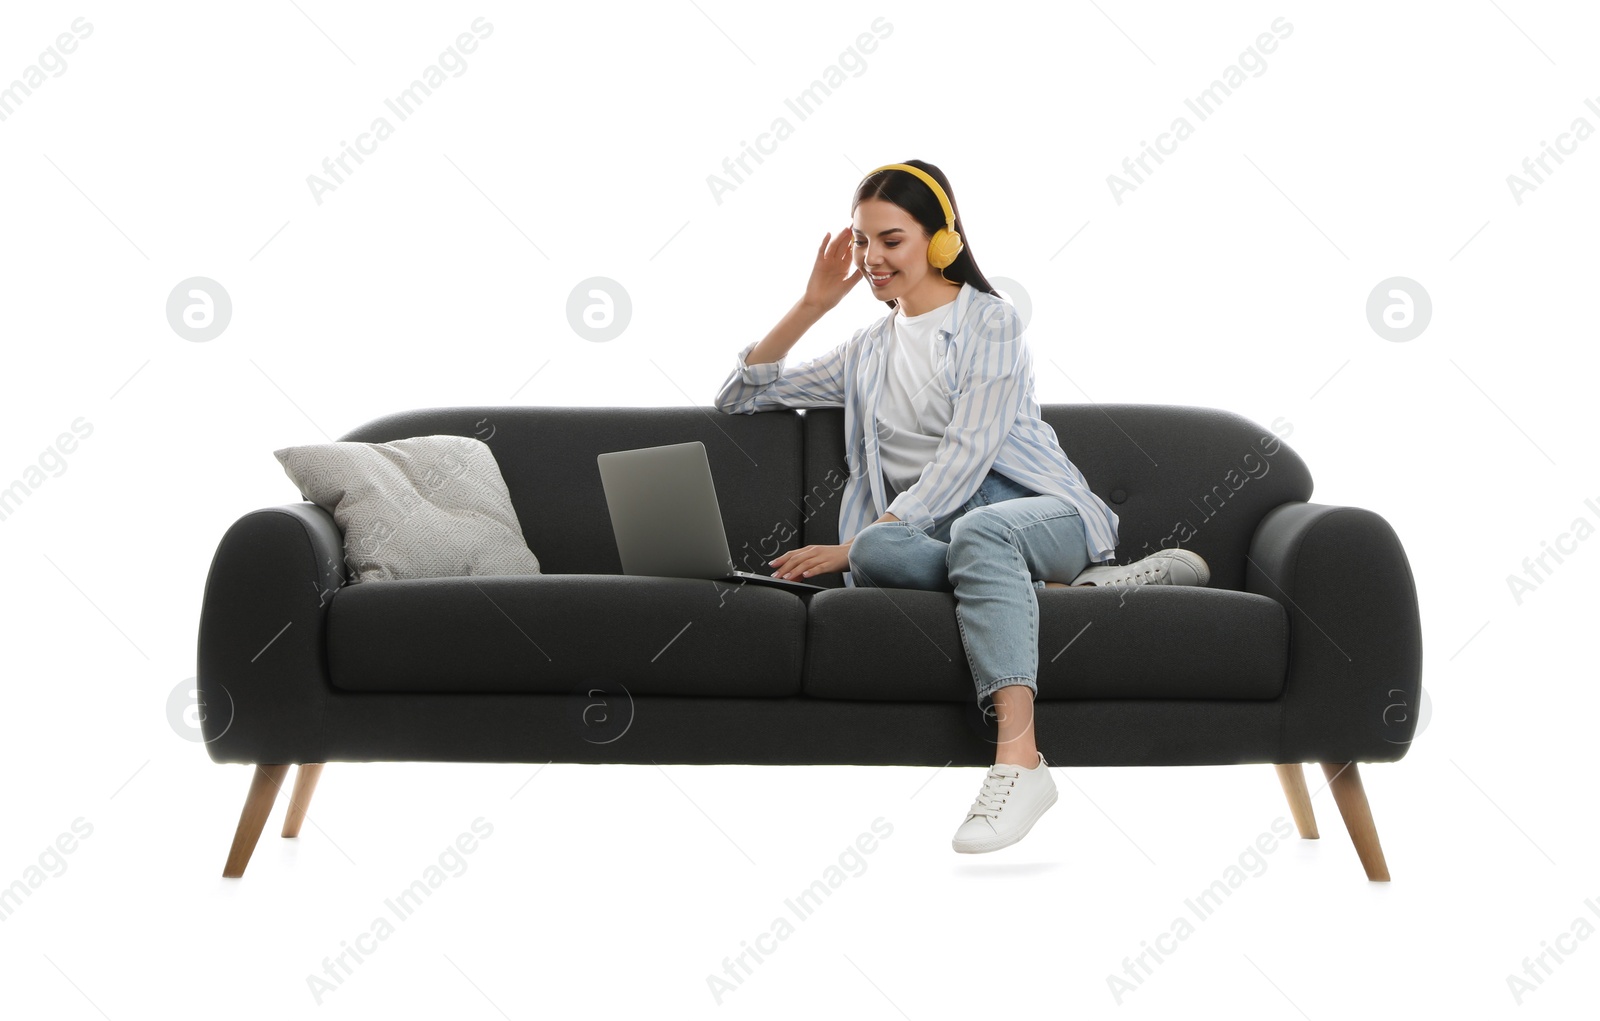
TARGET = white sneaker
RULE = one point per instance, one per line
(1011, 801)
(1163, 567)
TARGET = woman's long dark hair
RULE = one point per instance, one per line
(911, 193)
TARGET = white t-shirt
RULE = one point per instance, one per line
(914, 408)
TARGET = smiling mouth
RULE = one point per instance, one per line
(879, 281)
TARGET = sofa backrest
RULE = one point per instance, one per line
(1175, 475)
(547, 457)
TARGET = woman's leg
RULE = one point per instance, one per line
(896, 554)
(998, 555)
(1013, 714)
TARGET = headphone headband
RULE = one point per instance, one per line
(927, 178)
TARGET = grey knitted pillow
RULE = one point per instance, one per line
(424, 507)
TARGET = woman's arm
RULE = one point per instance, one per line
(758, 382)
(787, 333)
(756, 385)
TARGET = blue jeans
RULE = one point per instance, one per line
(995, 553)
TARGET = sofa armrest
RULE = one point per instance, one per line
(262, 662)
(1354, 680)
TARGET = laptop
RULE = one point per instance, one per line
(666, 519)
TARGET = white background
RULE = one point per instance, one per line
(579, 142)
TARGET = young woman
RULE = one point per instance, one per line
(971, 490)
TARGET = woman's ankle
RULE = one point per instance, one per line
(1027, 760)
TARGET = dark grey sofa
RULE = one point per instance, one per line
(1304, 647)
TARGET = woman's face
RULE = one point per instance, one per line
(888, 242)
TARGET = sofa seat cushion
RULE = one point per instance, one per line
(561, 633)
(1149, 642)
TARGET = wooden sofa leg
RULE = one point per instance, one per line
(257, 806)
(1351, 797)
(1293, 777)
(305, 784)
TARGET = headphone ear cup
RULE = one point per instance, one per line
(943, 248)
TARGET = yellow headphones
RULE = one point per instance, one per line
(945, 244)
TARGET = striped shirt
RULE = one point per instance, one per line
(984, 365)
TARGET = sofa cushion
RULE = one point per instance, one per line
(1148, 642)
(423, 507)
(556, 633)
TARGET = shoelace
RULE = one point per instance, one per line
(997, 786)
(1154, 574)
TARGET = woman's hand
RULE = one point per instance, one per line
(828, 284)
(809, 561)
